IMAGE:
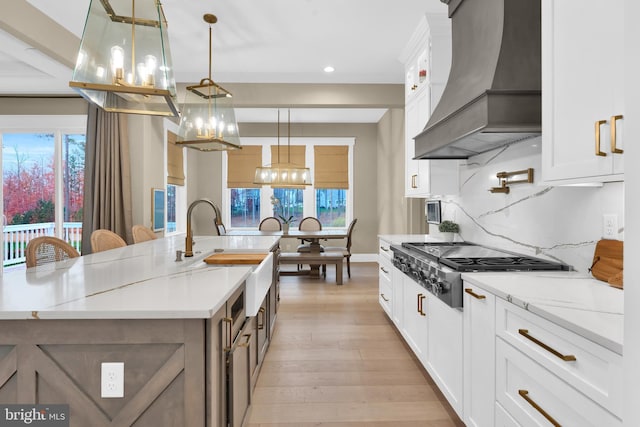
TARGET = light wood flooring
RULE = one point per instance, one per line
(337, 361)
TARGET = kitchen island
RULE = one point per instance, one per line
(137, 305)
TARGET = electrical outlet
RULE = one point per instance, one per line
(112, 380)
(610, 226)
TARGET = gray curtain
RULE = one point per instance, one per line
(107, 177)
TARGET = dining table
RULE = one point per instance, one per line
(313, 237)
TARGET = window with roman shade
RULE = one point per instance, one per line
(175, 168)
(241, 166)
(331, 167)
(293, 154)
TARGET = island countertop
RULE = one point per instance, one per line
(141, 281)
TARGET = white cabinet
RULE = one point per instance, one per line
(479, 357)
(415, 322)
(385, 289)
(427, 59)
(582, 91)
(444, 352)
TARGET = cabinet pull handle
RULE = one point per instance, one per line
(383, 270)
(473, 294)
(229, 322)
(246, 343)
(384, 249)
(261, 315)
(525, 395)
(413, 181)
(566, 358)
(614, 148)
(420, 308)
(598, 124)
(382, 295)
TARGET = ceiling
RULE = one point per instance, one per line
(254, 41)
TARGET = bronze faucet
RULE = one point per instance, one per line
(188, 245)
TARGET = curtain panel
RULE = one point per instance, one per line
(107, 177)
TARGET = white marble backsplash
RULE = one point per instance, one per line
(558, 223)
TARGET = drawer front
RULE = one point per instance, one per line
(385, 250)
(536, 397)
(385, 293)
(503, 419)
(596, 371)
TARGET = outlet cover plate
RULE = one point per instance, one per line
(112, 380)
(610, 226)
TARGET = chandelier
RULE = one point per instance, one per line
(208, 121)
(124, 63)
(283, 174)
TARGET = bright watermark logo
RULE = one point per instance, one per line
(34, 415)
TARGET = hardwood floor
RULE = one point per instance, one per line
(337, 361)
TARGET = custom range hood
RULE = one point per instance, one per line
(493, 96)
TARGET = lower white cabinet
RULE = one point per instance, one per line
(503, 419)
(535, 396)
(444, 352)
(415, 322)
(479, 357)
(385, 289)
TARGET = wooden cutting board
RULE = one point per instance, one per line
(235, 258)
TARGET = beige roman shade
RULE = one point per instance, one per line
(175, 168)
(331, 166)
(296, 155)
(241, 166)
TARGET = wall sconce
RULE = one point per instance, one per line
(503, 178)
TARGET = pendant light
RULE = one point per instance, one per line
(283, 174)
(208, 121)
(124, 63)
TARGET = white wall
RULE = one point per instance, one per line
(559, 223)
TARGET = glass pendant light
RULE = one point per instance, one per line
(283, 174)
(124, 63)
(208, 121)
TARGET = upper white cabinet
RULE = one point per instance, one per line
(427, 59)
(582, 91)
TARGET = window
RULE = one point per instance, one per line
(329, 199)
(331, 207)
(43, 181)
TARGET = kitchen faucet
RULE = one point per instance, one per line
(188, 245)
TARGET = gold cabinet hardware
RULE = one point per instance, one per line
(566, 358)
(414, 181)
(383, 297)
(421, 297)
(525, 395)
(384, 270)
(473, 294)
(247, 339)
(229, 322)
(384, 249)
(598, 124)
(614, 148)
(414, 87)
(261, 312)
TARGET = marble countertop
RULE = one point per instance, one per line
(573, 300)
(134, 282)
(396, 239)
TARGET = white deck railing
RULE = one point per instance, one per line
(16, 238)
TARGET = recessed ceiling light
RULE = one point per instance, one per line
(329, 69)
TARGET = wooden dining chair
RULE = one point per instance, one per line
(142, 234)
(346, 250)
(308, 224)
(270, 223)
(104, 240)
(45, 249)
